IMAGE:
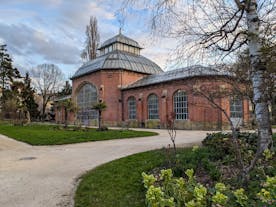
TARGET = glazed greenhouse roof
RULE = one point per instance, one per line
(119, 60)
(182, 73)
(122, 39)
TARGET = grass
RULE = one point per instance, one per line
(51, 135)
(117, 183)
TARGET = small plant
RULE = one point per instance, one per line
(171, 131)
(165, 190)
(100, 107)
(268, 193)
(241, 198)
(268, 154)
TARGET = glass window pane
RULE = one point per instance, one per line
(180, 101)
(153, 108)
(86, 98)
(236, 108)
(131, 108)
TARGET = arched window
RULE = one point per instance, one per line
(153, 109)
(131, 105)
(86, 97)
(180, 102)
(236, 108)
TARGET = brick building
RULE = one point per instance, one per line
(138, 92)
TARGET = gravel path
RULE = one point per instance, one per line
(39, 176)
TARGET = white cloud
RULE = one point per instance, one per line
(24, 40)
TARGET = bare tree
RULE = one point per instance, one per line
(222, 27)
(242, 69)
(47, 80)
(92, 40)
(224, 88)
(172, 131)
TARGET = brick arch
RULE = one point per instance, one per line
(131, 96)
(84, 83)
(152, 94)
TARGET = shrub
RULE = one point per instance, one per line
(165, 190)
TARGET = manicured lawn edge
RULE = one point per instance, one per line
(117, 183)
(52, 135)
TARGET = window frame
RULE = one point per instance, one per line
(236, 109)
(86, 97)
(180, 105)
(132, 108)
(153, 107)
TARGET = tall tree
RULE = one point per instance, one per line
(242, 70)
(7, 72)
(92, 40)
(47, 80)
(223, 27)
(28, 99)
(66, 90)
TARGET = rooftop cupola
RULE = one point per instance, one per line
(119, 52)
(121, 43)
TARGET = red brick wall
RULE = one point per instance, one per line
(60, 116)
(201, 113)
(108, 84)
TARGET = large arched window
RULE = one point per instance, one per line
(86, 97)
(236, 108)
(131, 105)
(153, 109)
(180, 102)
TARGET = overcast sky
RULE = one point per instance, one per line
(53, 31)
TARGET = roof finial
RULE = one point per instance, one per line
(120, 30)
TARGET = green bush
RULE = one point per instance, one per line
(163, 190)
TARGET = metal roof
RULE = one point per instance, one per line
(182, 73)
(122, 39)
(62, 98)
(119, 60)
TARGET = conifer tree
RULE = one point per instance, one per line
(28, 99)
(66, 90)
(7, 72)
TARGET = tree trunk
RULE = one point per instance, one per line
(65, 117)
(258, 79)
(100, 119)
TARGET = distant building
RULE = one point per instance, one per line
(138, 92)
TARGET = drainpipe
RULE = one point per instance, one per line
(122, 97)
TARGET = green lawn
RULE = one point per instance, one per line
(118, 183)
(51, 135)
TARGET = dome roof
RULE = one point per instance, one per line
(122, 39)
(119, 60)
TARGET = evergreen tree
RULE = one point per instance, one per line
(66, 90)
(7, 72)
(28, 97)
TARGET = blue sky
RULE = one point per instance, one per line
(53, 31)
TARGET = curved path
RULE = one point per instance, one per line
(39, 176)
